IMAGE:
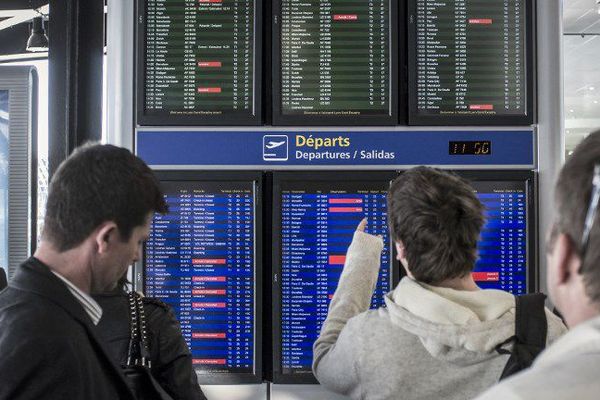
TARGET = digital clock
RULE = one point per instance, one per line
(472, 148)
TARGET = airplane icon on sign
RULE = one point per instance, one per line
(275, 148)
(272, 145)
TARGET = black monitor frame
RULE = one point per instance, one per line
(309, 177)
(225, 176)
(414, 118)
(163, 118)
(529, 178)
(280, 119)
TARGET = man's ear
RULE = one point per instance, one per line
(566, 260)
(105, 235)
(401, 256)
(400, 251)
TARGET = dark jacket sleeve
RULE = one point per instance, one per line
(172, 358)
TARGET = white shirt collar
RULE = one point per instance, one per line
(91, 307)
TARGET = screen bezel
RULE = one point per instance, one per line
(309, 178)
(414, 118)
(280, 119)
(145, 119)
(140, 281)
(530, 180)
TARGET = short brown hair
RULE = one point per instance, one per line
(571, 200)
(438, 218)
(99, 183)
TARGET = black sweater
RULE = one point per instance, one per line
(170, 356)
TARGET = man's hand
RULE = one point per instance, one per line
(362, 226)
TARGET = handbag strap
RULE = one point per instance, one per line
(138, 352)
(144, 347)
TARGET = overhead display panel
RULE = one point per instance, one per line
(471, 62)
(203, 259)
(314, 223)
(199, 62)
(334, 62)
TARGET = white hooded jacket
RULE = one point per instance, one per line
(427, 343)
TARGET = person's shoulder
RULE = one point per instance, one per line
(502, 391)
(16, 301)
(32, 315)
(157, 309)
(152, 303)
(527, 384)
(575, 378)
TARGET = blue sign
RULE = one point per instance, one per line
(275, 149)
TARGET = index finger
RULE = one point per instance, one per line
(362, 225)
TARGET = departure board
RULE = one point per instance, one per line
(335, 61)
(200, 259)
(317, 223)
(470, 62)
(502, 262)
(197, 60)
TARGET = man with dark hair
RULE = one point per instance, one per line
(100, 204)
(437, 336)
(569, 368)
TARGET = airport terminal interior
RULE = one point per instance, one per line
(275, 126)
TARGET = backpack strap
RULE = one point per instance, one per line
(531, 323)
(531, 329)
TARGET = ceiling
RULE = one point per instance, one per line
(15, 16)
(15, 25)
(581, 23)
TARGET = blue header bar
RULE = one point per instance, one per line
(280, 149)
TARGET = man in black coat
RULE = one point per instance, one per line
(100, 204)
(3, 281)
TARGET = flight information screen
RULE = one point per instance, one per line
(468, 58)
(198, 58)
(502, 262)
(200, 259)
(335, 57)
(318, 221)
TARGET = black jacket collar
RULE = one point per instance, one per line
(34, 276)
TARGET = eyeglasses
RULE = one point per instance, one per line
(591, 212)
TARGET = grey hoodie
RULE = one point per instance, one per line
(427, 343)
